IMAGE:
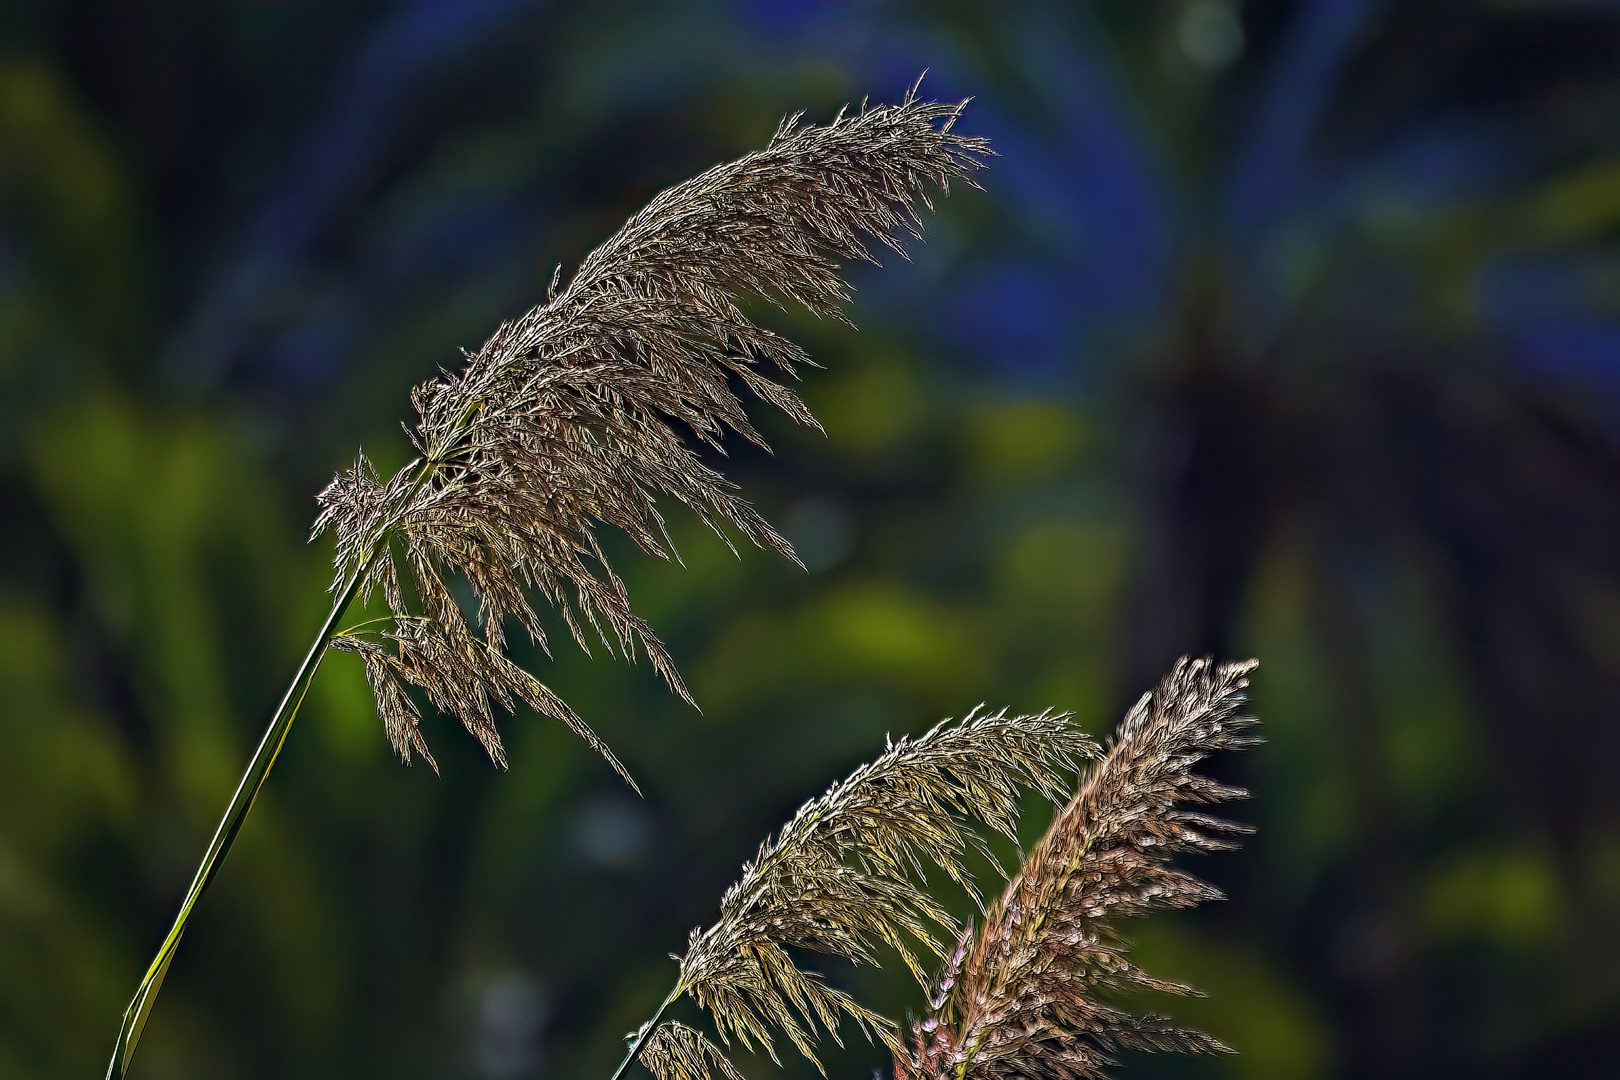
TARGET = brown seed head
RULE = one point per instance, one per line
(575, 414)
(1028, 996)
(846, 874)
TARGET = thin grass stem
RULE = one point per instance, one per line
(646, 1031)
(247, 789)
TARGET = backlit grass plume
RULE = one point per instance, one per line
(1032, 994)
(1029, 996)
(674, 1051)
(846, 875)
(575, 415)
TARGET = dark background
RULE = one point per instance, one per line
(1285, 329)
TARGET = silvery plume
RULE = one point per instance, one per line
(577, 414)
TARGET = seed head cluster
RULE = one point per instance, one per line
(593, 406)
(675, 1051)
(1032, 994)
(1029, 995)
(846, 874)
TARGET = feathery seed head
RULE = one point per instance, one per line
(573, 415)
(846, 874)
(1027, 996)
(677, 1052)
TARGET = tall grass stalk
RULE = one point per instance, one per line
(247, 788)
(236, 811)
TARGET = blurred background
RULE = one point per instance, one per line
(1288, 329)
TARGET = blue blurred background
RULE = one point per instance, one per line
(1281, 328)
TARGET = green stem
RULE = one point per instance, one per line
(646, 1032)
(652, 1025)
(258, 770)
(396, 619)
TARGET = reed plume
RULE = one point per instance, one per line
(846, 875)
(675, 1051)
(573, 416)
(1032, 994)
(1029, 995)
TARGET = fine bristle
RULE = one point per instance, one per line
(676, 1052)
(845, 875)
(1028, 996)
(575, 414)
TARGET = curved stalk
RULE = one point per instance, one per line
(646, 1032)
(258, 770)
(247, 789)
